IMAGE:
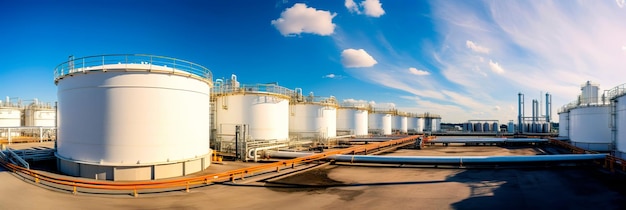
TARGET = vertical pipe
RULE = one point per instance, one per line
(237, 130)
(520, 112)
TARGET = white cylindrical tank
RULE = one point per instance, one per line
(399, 123)
(436, 124)
(313, 119)
(486, 127)
(411, 124)
(36, 116)
(564, 124)
(589, 127)
(132, 117)
(510, 127)
(10, 117)
(353, 120)
(621, 127)
(421, 124)
(380, 121)
(265, 114)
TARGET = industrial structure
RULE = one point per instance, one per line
(120, 117)
(586, 122)
(313, 116)
(26, 121)
(536, 123)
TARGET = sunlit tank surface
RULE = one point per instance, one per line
(399, 123)
(314, 116)
(381, 122)
(589, 127)
(263, 108)
(411, 123)
(132, 117)
(353, 119)
(37, 115)
(421, 124)
(10, 117)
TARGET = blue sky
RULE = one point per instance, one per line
(460, 59)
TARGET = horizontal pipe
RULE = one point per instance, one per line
(417, 160)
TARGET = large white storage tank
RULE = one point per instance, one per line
(618, 98)
(39, 115)
(421, 124)
(380, 122)
(564, 124)
(132, 117)
(589, 127)
(399, 122)
(10, 114)
(353, 119)
(263, 108)
(313, 116)
(411, 123)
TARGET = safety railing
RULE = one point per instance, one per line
(253, 88)
(186, 183)
(617, 91)
(83, 64)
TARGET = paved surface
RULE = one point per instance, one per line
(366, 187)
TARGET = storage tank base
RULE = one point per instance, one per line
(133, 172)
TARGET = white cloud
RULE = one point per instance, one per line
(620, 3)
(352, 58)
(302, 19)
(496, 108)
(352, 7)
(333, 76)
(495, 67)
(624, 48)
(373, 8)
(418, 72)
(475, 47)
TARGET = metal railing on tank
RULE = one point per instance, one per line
(617, 91)
(253, 88)
(129, 61)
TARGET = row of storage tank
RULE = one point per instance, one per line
(16, 115)
(494, 127)
(139, 117)
(272, 112)
(596, 123)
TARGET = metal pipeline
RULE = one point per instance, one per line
(252, 153)
(445, 160)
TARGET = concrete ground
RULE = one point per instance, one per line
(348, 186)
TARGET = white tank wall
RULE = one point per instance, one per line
(399, 123)
(564, 124)
(10, 117)
(266, 115)
(421, 124)
(313, 118)
(411, 123)
(436, 124)
(589, 127)
(380, 121)
(361, 122)
(346, 119)
(621, 126)
(132, 118)
(34, 117)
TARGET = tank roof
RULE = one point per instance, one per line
(135, 62)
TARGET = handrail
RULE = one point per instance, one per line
(198, 180)
(617, 91)
(83, 64)
(253, 88)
